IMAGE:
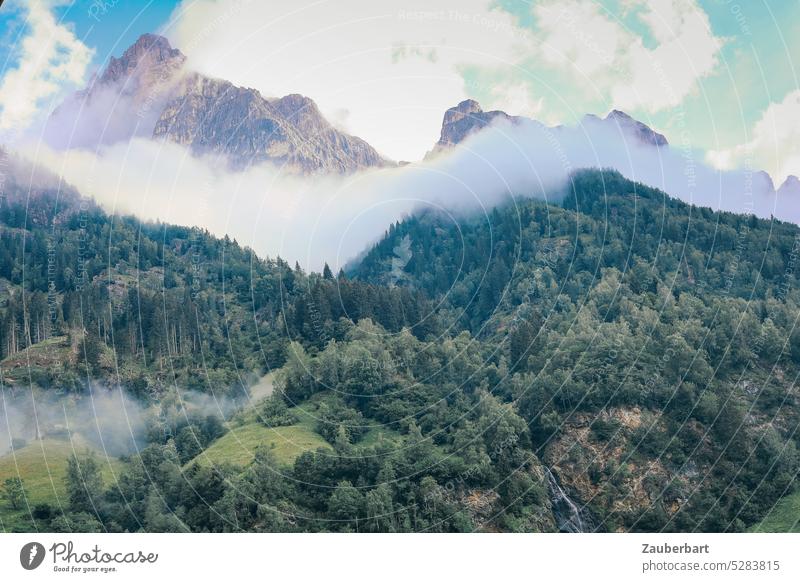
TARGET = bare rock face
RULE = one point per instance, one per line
(636, 129)
(346, 152)
(151, 56)
(214, 116)
(463, 120)
(467, 118)
(147, 92)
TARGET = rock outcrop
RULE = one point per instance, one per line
(464, 120)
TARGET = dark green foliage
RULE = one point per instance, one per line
(274, 412)
(338, 421)
(84, 484)
(14, 492)
(644, 348)
(42, 511)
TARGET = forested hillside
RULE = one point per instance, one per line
(651, 346)
(153, 305)
(617, 362)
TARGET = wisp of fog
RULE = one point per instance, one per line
(318, 219)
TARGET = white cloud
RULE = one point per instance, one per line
(774, 144)
(608, 58)
(395, 67)
(514, 98)
(50, 58)
(334, 218)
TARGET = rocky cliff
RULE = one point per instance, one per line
(215, 116)
(147, 92)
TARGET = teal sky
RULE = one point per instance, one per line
(756, 69)
(757, 65)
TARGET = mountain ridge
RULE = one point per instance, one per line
(208, 115)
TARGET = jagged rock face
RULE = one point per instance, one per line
(762, 182)
(345, 151)
(468, 118)
(465, 119)
(790, 187)
(636, 129)
(146, 92)
(150, 56)
(214, 116)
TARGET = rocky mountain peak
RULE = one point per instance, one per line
(463, 120)
(636, 128)
(462, 110)
(296, 102)
(149, 51)
(124, 101)
(147, 92)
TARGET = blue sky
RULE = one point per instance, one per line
(107, 26)
(729, 68)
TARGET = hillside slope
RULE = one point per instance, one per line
(619, 362)
(651, 345)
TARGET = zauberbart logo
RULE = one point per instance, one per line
(31, 555)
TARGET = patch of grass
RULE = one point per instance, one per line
(238, 445)
(307, 415)
(287, 442)
(378, 434)
(42, 465)
(784, 517)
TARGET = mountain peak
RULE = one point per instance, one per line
(149, 50)
(462, 121)
(639, 130)
(617, 114)
(297, 101)
(150, 41)
(462, 110)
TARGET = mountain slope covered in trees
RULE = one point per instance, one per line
(624, 349)
(651, 346)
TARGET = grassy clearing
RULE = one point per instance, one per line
(43, 466)
(378, 434)
(239, 444)
(784, 517)
(286, 442)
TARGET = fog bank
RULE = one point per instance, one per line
(318, 219)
